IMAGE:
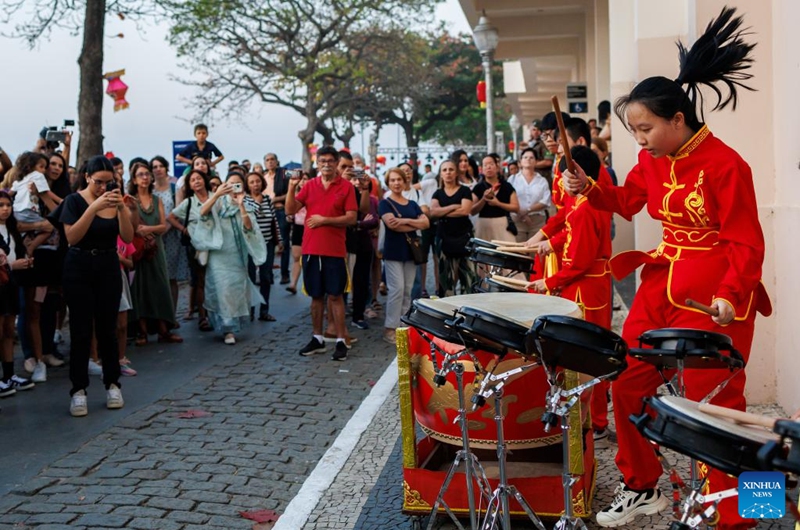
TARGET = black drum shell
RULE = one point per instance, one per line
(432, 321)
(574, 344)
(502, 260)
(699, 349)
(493, 333)
(721, 449)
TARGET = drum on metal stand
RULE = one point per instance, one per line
(572, 344)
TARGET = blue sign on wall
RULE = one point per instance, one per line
(179, 167)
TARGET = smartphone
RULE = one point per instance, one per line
(112, 186)
(56, 136)
(69, 123)
(358, 173)
(237, 187)
(295, 173)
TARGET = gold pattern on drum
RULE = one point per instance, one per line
(413, 498)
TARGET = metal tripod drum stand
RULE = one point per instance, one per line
(472, 467)
(559, 404)
(498, 513)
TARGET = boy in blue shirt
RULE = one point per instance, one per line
(201, 147)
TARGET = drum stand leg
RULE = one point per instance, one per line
(498, 511)
(472, 467)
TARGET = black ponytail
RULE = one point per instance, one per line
(719, 55)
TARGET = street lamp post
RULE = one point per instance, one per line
(514, 124)
(486, 38)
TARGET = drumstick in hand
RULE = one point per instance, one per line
(712, 311)
(744, 418)
(510, 281)
(518, 250)
(562, 134)
(508, 243)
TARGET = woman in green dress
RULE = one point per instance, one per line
(152, 300)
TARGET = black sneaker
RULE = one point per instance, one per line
(340, 353)
(314, 346)
(20, 383)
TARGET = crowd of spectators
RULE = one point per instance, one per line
(221, 232)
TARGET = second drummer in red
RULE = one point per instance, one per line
(712, 250)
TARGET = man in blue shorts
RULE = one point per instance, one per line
(330, 203)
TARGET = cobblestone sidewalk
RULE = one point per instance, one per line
(273, 415)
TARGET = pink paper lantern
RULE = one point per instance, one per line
(117, 89)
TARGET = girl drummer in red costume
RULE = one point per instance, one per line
(712, 248)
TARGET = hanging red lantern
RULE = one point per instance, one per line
(117, 89)
(511, 146)
(380, 160)
(481, 93)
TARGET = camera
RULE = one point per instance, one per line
(237, 187)
(358, 173)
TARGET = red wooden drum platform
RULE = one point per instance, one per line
(535, 460)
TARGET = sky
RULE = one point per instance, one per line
(43, 90)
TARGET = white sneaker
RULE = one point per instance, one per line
(602, 439)
(29, 365)
(627, 504)
(95, 368)
(230, 339)
(39, 373)
(77, 406)
(57, 337)
(52, 360)
(7, 389)
(114, 398)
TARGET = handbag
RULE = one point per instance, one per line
(186, 240)
(413, 242)
(510, 226)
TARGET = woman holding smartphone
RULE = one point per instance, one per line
(230, 235)
(93, 218)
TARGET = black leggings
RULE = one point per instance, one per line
(93, 288)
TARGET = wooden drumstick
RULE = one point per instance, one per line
(518, 250)
(713, 311)
(510, 281)
(562, 134)
(508, 243)
(744, 418)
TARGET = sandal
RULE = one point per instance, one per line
(266, 318)
(141, 340)
(204, 324)
(170, 338)
(292, 290)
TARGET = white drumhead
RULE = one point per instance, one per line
(522, 308)
(507, 254)
(691, 409)
(439, 304)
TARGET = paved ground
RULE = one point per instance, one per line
(275, 420)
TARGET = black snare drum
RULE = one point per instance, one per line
(698, 349)
(502, 260)
(432, 316)
(480, 243)
(491, 332)
(577, 345)
(680, 425)
(784, 454)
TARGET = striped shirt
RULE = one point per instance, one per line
(265, 215)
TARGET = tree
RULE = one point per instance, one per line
(302, 54)
(425, 84)
(43, 16)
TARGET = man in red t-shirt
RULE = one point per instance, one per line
(330, 203)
